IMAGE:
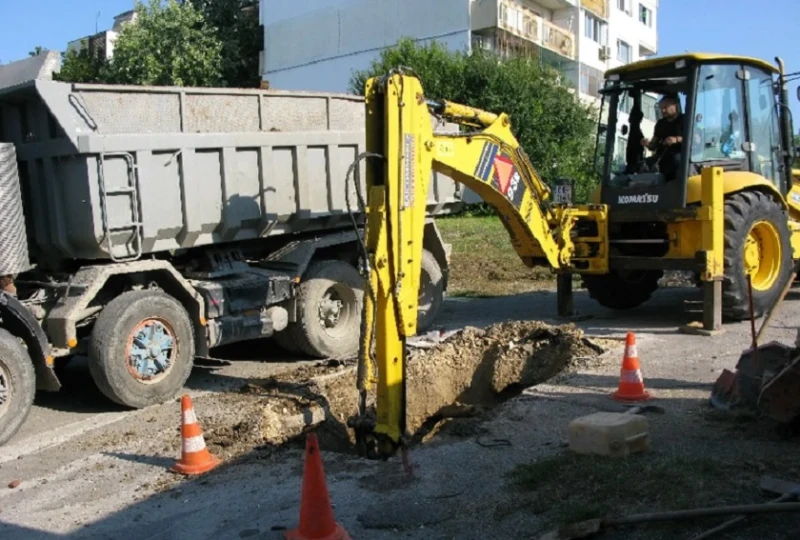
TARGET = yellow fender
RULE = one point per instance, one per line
(733, 182)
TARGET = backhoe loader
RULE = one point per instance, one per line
(734, 114)
(720, 213)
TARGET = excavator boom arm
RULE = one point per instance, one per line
(491, 163)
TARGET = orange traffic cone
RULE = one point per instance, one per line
(316, 515)
(195, 457)
(631, 383)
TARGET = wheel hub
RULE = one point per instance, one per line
(330, 310)
(5, 391)
(336, 310)
(151, 350)
(762, 255)
(425, 296)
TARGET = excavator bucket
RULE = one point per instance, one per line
(765, 384)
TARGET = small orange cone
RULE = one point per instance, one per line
(631, 382)
(195, 457)
(316, 515)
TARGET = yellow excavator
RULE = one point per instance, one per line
(726, 210)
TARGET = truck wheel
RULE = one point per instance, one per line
(142, 349)
(622, 289)
(329, 302)
(17, 385)
(758, 241)
(285, 339)
(431, 292)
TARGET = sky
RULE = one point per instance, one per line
(763, 29)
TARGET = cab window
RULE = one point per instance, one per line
(718, 132)
(764, 128)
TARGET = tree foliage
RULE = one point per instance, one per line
(82, 67)
(554, 128)
(237, 27)
(169, 44)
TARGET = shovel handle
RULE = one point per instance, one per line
(778, 302)
(738, 519)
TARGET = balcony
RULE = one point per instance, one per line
(598, 7)
(525, 24)
(647, 49)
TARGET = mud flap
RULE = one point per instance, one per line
(19, 321)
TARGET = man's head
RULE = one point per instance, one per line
(669, 106)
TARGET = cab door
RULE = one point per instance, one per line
(764, 141)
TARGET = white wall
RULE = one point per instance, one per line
(333, 75)
(351, 34)
(272, 11)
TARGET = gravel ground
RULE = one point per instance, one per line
(106, 474)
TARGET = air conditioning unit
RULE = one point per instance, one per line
(605, 52)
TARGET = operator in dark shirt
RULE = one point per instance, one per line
(667, 137)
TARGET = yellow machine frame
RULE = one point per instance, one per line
(489, 161)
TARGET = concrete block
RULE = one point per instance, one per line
(609, 434)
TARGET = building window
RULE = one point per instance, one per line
(645, 16)
(594, 28)
(624, 5)
(625, 104)
(591, 81)
(619, 152)
(623, 52)
(649, 106)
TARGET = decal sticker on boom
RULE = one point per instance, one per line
(497, 169)
(506, 180)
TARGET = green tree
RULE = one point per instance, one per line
(555, 129)
(169, 44)
(37, 51)
(82, 67)
(237, 27)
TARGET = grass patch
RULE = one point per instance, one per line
(483, 261)
(568, 488)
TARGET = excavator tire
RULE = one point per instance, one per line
(622, 289)
(757, 237)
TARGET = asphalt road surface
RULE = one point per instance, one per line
(89, 469)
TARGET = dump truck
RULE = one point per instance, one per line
(144, 226)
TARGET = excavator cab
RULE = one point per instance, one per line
(727, 116)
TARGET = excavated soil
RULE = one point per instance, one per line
(471, 372)
(482, 368)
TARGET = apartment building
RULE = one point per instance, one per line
(316, 44)
(102, 43)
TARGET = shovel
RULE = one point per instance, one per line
(586, 529)
(788, 491)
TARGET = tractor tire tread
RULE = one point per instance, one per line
(741, 211)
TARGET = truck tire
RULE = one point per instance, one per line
(431, 292)
(756, 236)
(17, 385)
(329, 302)
(142, 349)
(622, 289)
(285, 340)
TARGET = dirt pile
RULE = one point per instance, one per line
(484, 367)
(474, 369)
